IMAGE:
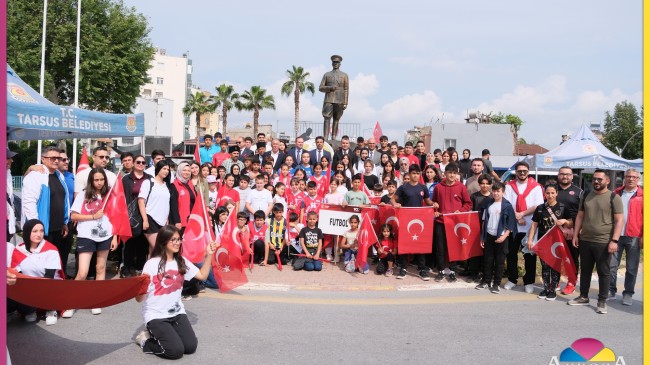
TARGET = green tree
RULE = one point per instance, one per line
(514, 121)
(199, 104)
(225, 98)
(297, 84)
(624, 130)
(255, 99)
(115, 51)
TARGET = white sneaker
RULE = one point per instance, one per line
(96, 311)
(509, 285)
(142, 337)
(69, 313)
(51, 317)
(529, 288)
(330, 258)
(30, 317)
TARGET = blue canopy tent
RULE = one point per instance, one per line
(582, 151)
(30, 117)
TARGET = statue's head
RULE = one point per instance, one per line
(336, 61)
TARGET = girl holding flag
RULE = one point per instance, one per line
(94, 229)
(547, 215)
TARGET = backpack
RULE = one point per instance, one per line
(350, 266)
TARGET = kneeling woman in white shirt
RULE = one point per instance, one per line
(169, 333)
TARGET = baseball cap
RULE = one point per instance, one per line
(212, 179)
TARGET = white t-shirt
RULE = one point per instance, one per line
(243, 195)
(158, 204)
(493, 222)
(97, 230)
(37, 261)
(212, 199)
(534, 198)
(164, 292)
(278, 199)
(81, 179)
(259, 200)
(151, 170)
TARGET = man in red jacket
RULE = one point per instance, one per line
(632, 237)
(452, 197)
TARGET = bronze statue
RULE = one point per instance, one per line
(335, 86)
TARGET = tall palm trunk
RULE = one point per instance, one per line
(198, 127)
(224, 112)
(296, 96)
(256, 117)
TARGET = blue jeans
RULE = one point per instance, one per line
(210, 282)
(313, 265)
(348, 255)
(632, 256)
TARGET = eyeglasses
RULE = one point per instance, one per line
(139, 162)
(175, 240)
(632, 177)
(598, 179)
(52, 159)
(522, 171)
(104, 157)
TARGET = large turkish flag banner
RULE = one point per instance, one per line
(415, 230)
(463, 231)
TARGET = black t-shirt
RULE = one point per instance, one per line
(570, 197)
(370, 181)
(544, 220)
(412, 195)
(311, 237)
(57, 203)
(477, 200)
(386, 199)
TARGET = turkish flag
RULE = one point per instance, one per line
(197, 154)
(377, 133)
(117, 212)
(366, 238)
(388, 215)
(227, 265)
(198, 232)
(373, 214)
(83, 161)
(463, 231)
(553, 250)
(415, 230)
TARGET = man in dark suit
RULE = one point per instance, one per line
(275, 154)
(260, 151)
(319, 152)
(296, 151)
(343, 150)
(246, 148)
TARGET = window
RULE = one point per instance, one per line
(127, 140)
(161, 66)
(450, 143)
(159, 94)
(160, 80)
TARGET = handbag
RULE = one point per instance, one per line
(567, 232)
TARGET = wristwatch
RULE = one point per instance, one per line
(613, 240)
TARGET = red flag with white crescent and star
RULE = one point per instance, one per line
(415, 230)
(366, 237)
(388, 215)
(463, 231)
(553, 250)
(377, 132)
(227, 265)
(117, 212)
(198, 232)
(83, 161)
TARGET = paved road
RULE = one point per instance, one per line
(396, 321)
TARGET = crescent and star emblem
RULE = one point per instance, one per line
(417, 222)
(554, 247)
(462, 225)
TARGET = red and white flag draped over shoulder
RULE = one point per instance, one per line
(197, 154)
(83, 161)
(198, 233)
(117, 212)
(463, 231)
(553, 250)
(227, 265)
(415, 230)
(366, 237)
(377, 133)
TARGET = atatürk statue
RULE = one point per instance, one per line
(335, 86)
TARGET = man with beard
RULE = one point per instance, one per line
(569, 195)
(477, 170)
(598, 228)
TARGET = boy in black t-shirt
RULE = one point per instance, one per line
(391, 186)
(311, 241)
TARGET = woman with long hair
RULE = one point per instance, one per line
(154, 202)
(348, 166)
(199, 182)
(94, 229)
(169, 333)
(134, 250)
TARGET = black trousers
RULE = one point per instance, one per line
(63, 245)
(134, 252)
(594, 254)
(171, 338)
(419, 260)
(530, 260)
(494, 256)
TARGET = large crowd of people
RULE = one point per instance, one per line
(276, 196)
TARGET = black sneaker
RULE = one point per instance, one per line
(495, 289)
(402, 274)
(439, 276)
(551, 295)
(482, 286)
(477, 278)
(543, 294)
(424, 275)
(465, 273)
(452, 277)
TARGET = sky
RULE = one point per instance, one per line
(555, 64)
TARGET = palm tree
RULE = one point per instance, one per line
(225, 98)
(200, 104)
(298, 84)
(255, 99)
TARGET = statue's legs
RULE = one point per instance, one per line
(326, 128)
(335, 128)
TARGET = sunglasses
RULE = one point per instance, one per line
(52, 159)
(522, 171)
(103, 157)
(598, 179)
(139, 162)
